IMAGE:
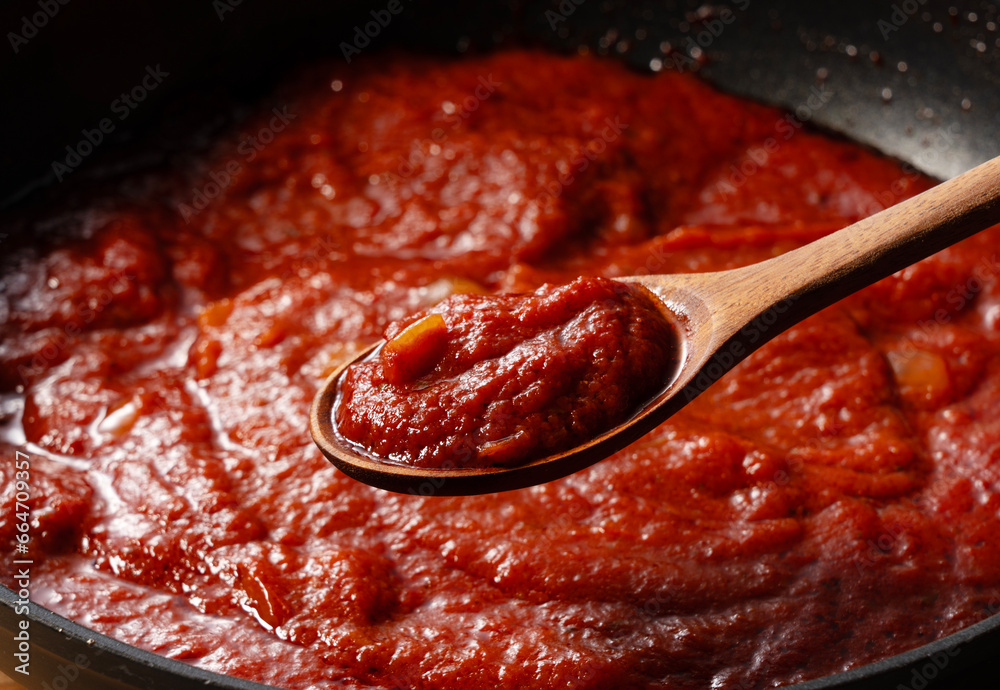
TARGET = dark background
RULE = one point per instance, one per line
(65, 77)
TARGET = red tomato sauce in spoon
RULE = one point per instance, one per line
(482, 381)
(831, 501)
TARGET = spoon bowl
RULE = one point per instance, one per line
(721, 317)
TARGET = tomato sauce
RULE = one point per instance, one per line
(831, 501)
(485, 381)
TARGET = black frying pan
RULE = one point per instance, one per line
(917, 80)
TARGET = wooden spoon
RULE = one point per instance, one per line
(723, 317)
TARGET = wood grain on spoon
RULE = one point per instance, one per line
(724, 316)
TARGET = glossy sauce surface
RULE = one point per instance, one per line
(493, 381)
(832, 501)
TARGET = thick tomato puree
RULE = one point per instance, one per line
(481, 381)
(833, 500)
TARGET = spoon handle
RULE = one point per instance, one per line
(805, 280)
